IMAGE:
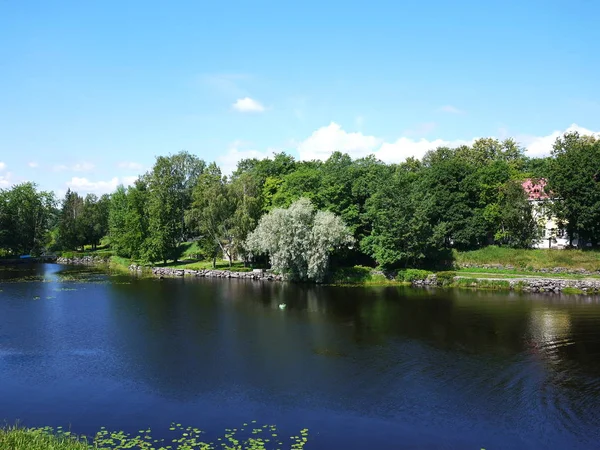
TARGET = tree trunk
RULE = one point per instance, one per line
(214, 261)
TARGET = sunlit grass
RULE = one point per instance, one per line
(531, 258)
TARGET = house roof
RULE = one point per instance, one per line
(535, 189)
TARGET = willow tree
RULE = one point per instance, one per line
(299, 240)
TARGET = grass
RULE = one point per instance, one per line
(361, 276)
(572, 290)
(247, 437)
(478, 283)
(531, 259)
(514, 273)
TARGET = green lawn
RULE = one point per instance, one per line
(505, 273)
(531, 258)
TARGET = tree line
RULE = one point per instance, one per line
(394, 215)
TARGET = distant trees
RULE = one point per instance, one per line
(299, 239)
(297, 212)
(26, 216)
(128, 220)
(82, 221)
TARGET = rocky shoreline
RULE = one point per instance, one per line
(83, 260)
(539, 284)
(522, 284)
(161, 272)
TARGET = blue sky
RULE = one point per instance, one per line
(91, 92)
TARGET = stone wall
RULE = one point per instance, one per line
(528, 284)
(210, 273)
(83, 260)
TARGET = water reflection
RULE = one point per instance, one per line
(479, 368)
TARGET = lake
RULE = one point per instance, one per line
(380, 368)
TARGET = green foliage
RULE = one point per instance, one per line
(517, 226)
(410, 275)
(419, 213)
(170, 185)
(574, 177)
(482, 283)
(445, 278)
(211, 215)
(26, 216)
(299, 240)
(571, 290)
(352, 275)
(249, 436)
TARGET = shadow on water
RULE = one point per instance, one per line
(390, 367)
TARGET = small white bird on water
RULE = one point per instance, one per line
(282, 306)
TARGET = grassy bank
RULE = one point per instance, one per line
(530, 259)
(248, 437)
(361, 276)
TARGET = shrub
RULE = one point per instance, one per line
(445, 278)
(410, 275)
(356, 274)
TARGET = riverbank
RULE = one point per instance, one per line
(483, 277)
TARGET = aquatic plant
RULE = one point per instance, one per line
(249, 436)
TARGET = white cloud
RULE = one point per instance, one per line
(332, 138)
(77, 167)
(248, 104)
(542, 146)
(450, 109)
(228, 161)
(83, 185)
(2, 165)
(6, 180)
(130, 165)
(33, 164)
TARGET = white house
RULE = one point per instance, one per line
(553, 234)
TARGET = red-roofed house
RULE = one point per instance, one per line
(553, 234)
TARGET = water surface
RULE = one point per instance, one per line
(389, 368)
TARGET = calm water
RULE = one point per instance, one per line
(379, 368)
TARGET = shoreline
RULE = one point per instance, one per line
(535, 284)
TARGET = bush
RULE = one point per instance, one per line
(356, 274)
(445, 278)
(410, 275)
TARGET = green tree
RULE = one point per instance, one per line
(299, 240)
(402, 234)
(212, 212)
(94, 219)
(25, 218)
(517, 225)
(170, 184)
(128, 220)
(70, 229)
(574, 181)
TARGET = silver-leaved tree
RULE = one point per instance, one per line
(299, 240)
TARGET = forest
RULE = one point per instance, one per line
(410, 214)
